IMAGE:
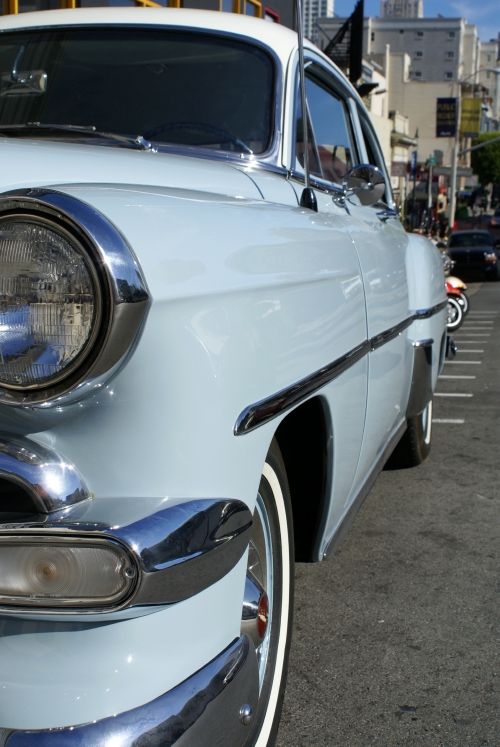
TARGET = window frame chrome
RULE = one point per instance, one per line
(331, 79)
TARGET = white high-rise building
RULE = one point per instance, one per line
(402, 9)
(314, 9)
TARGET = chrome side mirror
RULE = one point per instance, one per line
(365, 181)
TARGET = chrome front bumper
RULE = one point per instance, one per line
(203, 711)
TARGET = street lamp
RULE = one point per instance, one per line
(454, 157)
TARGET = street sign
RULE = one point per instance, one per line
(398, 168)
(432, 161)
(446, 117)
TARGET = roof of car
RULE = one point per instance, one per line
(281, 39)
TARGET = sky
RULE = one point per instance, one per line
(484, 13)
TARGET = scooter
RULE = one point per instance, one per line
(455, 308)
(456, 283)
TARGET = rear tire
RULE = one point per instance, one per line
(415, 444)
(272, 547)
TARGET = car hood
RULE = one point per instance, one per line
(42, 163)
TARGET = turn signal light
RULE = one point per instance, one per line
(54, 572)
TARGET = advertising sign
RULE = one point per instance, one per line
(446, 118)
(470, 120)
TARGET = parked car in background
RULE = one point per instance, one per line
(474, 254)
(200, 379)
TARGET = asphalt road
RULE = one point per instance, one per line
(396, 639)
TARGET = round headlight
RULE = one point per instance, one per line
(49, 303)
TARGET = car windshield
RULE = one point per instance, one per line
(470, 239)
(183, 88)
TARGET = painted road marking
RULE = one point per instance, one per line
(477, 350)
(464, 363)
(447, 420)
(450, 394)
(451, 376)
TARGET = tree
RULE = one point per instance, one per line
(486, 161)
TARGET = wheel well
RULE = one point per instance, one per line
(302, 438)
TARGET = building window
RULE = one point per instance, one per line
(451, 34)
(419, 34)
(448, 76)
(450, 55)
(488, 57)
(373, 36)
(417, 74)
(419, 54)
(487, 73)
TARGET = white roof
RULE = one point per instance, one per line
(281, 39)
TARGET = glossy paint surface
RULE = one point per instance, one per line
(251, 293)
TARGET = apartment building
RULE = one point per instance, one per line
(312, 10)
(440, 49)
(402, 9)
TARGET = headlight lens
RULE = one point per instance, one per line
(49, 303)
(58, 574)
(490, 257)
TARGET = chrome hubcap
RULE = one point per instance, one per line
(258, 602)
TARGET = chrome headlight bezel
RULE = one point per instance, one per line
(121, 294)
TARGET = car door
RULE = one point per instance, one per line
(332, 152)
(381, 243)
(339, 139)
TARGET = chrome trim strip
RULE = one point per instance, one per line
(51, 481)
(267, 409)
(390, 334)
(343, 527)
(179, 551)
(126, 295)
(426, 313)
(204, 710)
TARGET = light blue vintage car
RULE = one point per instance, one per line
(201, 372)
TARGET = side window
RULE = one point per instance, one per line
(331, 152)
(375, 157)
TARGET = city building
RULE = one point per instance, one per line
(440, 49)
(402, 9)
(312, 10)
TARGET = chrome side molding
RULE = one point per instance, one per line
(51, 481)
(189, 714)
(271, 407)
(178, 551)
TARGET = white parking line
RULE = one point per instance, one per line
(486, 313)
(464, 363)
(473, 334)
(450, 376)
(477, 350)
(450, 394)
(446, 420)
(470, 326)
